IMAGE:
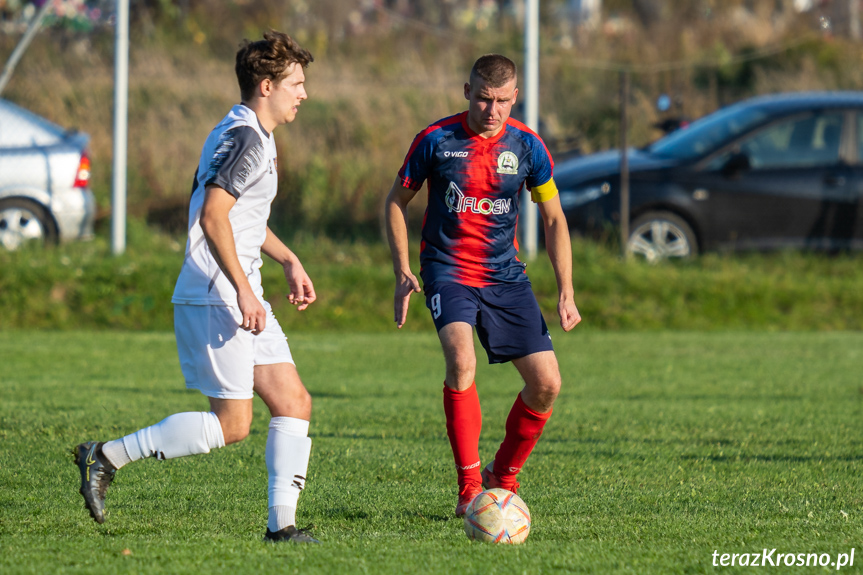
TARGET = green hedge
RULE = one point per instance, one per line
(83, 286)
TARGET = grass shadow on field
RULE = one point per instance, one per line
(739, 457)
(714, 397)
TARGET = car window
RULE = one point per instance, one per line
(800, 142)
(708, 133)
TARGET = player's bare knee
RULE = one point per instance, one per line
(460, 373)
(296, 402)
(540, 395)
(235, 418)
(552, 388)
(464, 372)
(547, 401)
(304, 401)
(235, 431)
(236, 436)
(549, 390)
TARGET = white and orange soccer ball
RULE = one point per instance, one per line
(499, 516)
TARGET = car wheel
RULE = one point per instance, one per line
(660, 235)
(23, 221)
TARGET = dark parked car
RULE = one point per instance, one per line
(776, 171)
(44, 180)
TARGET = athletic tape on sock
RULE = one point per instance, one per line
(287, 458)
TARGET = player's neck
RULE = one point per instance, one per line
(266, 122)
(485, 135)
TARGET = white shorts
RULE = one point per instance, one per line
(217, 357)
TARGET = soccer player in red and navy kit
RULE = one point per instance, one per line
(476, 163)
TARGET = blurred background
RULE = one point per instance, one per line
(387, 68)
(383, 70)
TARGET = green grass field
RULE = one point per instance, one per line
(663, 448)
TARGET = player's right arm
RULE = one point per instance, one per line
(397, 234)
(220, 238)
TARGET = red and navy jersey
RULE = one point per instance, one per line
(468, 234)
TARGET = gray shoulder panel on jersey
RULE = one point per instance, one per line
(237, 156)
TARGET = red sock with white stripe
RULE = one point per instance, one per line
(463, 425)
(523, 428)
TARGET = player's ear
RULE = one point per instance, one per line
(514, 96)
(467, 91)
(265, 88)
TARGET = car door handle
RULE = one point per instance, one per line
(833, 180)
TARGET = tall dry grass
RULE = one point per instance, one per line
(370, 93)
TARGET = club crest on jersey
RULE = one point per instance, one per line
(507, 163)
(457, 202)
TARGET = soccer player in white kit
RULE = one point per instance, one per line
(230, 344)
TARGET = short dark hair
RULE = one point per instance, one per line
(494, 69)
(267, 59)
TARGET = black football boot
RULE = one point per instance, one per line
(96, 475)
(290, 533)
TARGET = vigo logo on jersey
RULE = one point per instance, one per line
(457, 202)
(455, 154)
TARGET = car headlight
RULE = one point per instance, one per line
(574, 198)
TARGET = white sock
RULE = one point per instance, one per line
(288, 451)
(177, 435)
(280, 517)
(115, 452)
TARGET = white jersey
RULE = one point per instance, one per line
(240, 157)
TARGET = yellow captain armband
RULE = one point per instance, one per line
(544, 192)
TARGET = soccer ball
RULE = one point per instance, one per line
(497, 515)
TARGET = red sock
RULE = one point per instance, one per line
(523, 428)
(463, 425)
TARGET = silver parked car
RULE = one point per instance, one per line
(44, 180)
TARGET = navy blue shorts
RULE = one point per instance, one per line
(506, 317)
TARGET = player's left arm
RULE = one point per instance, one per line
(559, 248)
(302, 290)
